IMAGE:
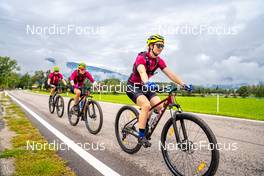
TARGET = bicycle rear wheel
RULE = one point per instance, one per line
(72, 115)
(59, 106)
(126, 129)
(196, 152)
(93, 117)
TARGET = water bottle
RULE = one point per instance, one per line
(154, 116)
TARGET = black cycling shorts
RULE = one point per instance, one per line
(83, 90)
(133, 91)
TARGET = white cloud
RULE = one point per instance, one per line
(199, 59)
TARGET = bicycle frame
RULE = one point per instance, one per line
(84, 99)
(167, 102)
(55, 93)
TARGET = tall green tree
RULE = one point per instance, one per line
(25, 81)
(259, 91)
(38, 78)
(243, 91)
(8, 69)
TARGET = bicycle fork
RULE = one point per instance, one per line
(176, 130)
(91, 111)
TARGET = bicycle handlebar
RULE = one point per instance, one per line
(167, 90)
(170, 90)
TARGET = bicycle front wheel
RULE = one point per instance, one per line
(59, 106)
(73, 116)
(51, 105)
(196, 151)
(93, 117)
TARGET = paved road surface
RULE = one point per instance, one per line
(247, 136)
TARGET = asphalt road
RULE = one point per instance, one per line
(247, 136)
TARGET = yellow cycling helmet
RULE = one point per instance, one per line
(82, 65)
(56, 69)
(155, 38)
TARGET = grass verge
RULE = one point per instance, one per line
(28, 161)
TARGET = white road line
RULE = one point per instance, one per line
(98, 165)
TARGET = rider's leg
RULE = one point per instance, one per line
(52, 91)
(77, 96)
(144, 104)
(155, 100)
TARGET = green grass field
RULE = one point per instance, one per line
(248, 108)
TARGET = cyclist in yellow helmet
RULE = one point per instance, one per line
(144, 68)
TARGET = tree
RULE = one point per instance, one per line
(259, 91)
(243, 91)
(25, 81)
(13, 80)
(46, 79)
(38, 78)
(111, 81)
(8, 68)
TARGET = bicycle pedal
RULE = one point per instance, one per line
(147, 145)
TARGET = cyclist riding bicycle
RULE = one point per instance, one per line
(54, 78)
(139, 87)
(77, 80)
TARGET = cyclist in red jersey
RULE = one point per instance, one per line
(77, 80)
(54, 78)
(144, 68)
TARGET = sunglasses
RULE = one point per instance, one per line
(81, 69)
(159, 46)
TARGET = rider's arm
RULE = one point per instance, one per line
(72, 82)
(89, 76)
(73, 75)
(49, 78)
(172, 76)
(62, 79)
(142, 72)
(64, 82)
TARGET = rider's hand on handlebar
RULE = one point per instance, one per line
(151, 85)
(188, 88)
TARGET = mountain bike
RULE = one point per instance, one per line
(88, 110)
(180, 139)
(56, 101)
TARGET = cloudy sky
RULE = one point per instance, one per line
(210, 42)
